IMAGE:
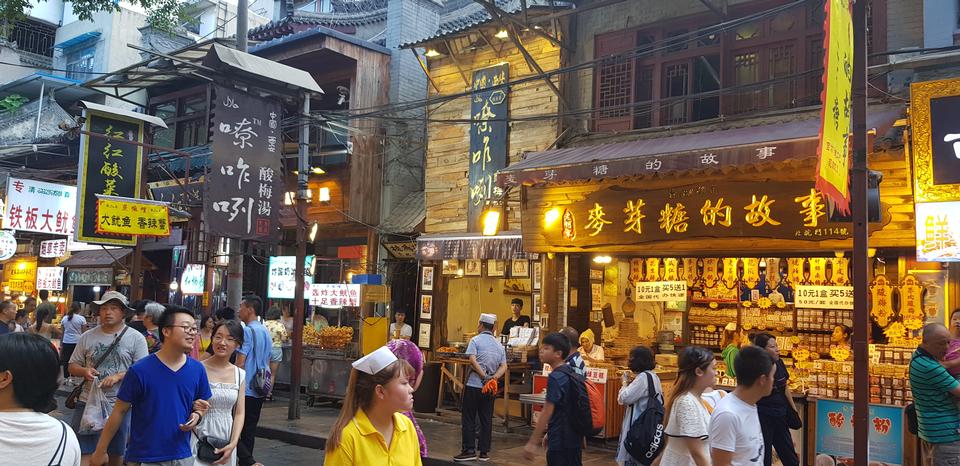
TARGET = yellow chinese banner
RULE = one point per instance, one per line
(833, 154)
(117, 216)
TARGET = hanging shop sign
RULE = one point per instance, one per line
(8, 245)
(243, 186)
(193, 279)
(834, 153)
(50, 278)
(53, 248)
(40, 207)
(121, 216)
(90, 277)
(331, 295)
(282, 273)
(662, 291)
(21, 275)
(934, 117)
(177, 195)
(488, 138)
(835, 433)
(402, 250)
(824, 297)
(108, 167)
(619, 215)
(501, 247)
(938, 231)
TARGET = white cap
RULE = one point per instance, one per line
(375, 361)
(488, 318)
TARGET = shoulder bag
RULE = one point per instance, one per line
(71, 401)
(261, 378)
(208, 445)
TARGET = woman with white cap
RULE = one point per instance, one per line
(371, 428)
(591, 352)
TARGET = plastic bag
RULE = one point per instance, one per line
(97, 410)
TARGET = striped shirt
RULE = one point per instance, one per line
(937, 414)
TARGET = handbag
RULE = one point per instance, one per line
(71, 401)
(793, 419)
(261, 378)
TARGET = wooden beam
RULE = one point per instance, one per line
(423, 67)
(497, 13)
(489, 43)
(536, 66)
(453, 56)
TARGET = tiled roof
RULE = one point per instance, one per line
(407, 215)
(325, 19)
(459, 15)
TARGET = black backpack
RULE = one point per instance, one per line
(645, 439)
(578, 404)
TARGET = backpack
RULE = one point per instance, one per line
(587, 411)
(645, 439)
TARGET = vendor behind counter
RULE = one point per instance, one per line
(591, 352)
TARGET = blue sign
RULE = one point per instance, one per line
(835, 431)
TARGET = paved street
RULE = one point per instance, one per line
(275, 453)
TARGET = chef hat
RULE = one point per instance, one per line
(375, 361)
(730, 327)
(488, 318)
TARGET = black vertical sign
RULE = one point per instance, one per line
(107, 167)
(244, 187)
(945, 139)
(488, 138)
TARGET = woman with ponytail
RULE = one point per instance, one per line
(687, 415)
(371, 428)
(72, 327)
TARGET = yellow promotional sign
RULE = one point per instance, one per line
(119, 216)
(834, 153)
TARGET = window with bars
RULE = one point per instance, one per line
(79, 62)
(669, 74)
(185, 113)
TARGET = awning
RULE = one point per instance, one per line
(670, 154)
(507, 245)
(156, 121)
(96, 258)
(255, 67)
(408, 214)
(77, 40)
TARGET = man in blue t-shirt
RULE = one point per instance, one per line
(564, 444)
(161, 391)
(254, 356)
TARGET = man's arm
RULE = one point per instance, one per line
(241, 359)
(721, 457)
(500, 370)
(476, 367)
(533, 445)
(120, 409)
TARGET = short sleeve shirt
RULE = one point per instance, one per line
(361, 444)
(405, 331)
(256, 347)
(278, 333)
(161, 400)
(937, 414)
(560, 434)
(490, 355)
(735, 428)
(95, 342)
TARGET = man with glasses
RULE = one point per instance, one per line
(161, 391)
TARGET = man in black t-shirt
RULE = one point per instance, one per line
(517, 320)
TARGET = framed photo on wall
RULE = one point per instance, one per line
(426, 278)
(496, 268)
(596, 275)
(535, 304)
(537, 274)
(450, 266)
(423, 338)
(520, 268)
(473, 267)
(426, 306)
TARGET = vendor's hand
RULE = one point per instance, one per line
(192, 422)
(227, 452)
(110, 381)
(90, 373)
(530, 451)
(201, 406)
(99, 458)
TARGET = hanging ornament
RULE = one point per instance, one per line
(882, 293)
(710, 272)
(730, 272)
(751, 272)
(818, 270)
(653, 269)
(671, 272)
(568, 226)
(773, 273)
(795, 271)
(841, 271)
(911, 303)
(636, 270)
(690, 272)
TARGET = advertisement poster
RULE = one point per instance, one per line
(193, 279)
(40, 207)
(281, 276)
(834, 151)
(835, 433)
(824, 297)
(120, 216)
(938, 231)
(50, 278)
(334, 295)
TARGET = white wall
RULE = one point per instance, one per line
(939, 22)
(50, 11)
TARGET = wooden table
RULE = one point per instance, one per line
(461, 368)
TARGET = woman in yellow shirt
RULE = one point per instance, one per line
(371, 428)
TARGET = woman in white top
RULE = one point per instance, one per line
(591, 353)
(636, 395)
(72, 326)
(686, 414)
(224, 419)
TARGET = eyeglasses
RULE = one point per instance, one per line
(188, 329)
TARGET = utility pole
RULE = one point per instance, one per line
(303, 163)
(861, 263)
(235, 266)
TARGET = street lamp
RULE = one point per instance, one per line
(174, 286)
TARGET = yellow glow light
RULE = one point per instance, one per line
(431, 53)
(502, 34)
(324, 194)
(602, 259)
(491, 222)
(551, 217)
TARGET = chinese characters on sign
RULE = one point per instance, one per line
(488, 138)
(282, 273)
(50, 278)
(662, 291)
(834, 153)
(824, 297)
(243, 189)
(938, 231)
(334, 295)
(90, 277)
(132, 217)
(108, 167)
(53, 248)
(40, 207)
(787, 210)
(8, 245)
(193, 279)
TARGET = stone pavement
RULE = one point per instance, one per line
(443, 438)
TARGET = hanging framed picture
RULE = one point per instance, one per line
(520, 268)
(426, 306)
(496, 268)
(450, 267)
(537, 274)
(426, 278)
(423, 338)
(472, 267)
(535, 304)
